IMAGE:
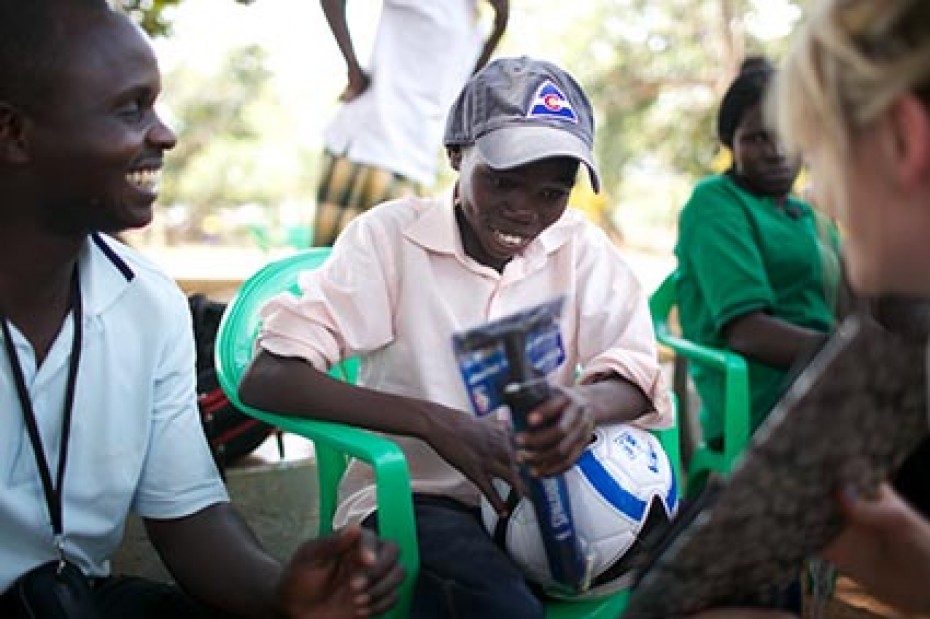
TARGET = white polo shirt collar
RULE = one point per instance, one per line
(437, 230)
(104, 275)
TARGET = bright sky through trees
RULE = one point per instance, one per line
(307, 66)
(250, 88)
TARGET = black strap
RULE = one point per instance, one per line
(114, 257)
(500, 529)
(53, 494)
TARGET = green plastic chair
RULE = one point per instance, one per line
(736, 411)
(334, 443)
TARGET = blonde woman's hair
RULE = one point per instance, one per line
(850, 61)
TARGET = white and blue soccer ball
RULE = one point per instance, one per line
(622, 486)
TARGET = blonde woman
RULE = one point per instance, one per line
(854, 96)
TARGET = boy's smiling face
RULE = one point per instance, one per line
(501, 211)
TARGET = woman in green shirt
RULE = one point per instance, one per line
(758, 267)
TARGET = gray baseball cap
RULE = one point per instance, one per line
(520, 110)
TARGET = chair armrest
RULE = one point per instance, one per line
(722, 360)
(392, 482)
(736, 386)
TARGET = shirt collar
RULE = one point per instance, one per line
(437, 230)
(105, 275)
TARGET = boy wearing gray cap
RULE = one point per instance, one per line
(408, 274)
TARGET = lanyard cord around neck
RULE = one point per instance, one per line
(53, 494)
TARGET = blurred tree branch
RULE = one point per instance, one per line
(150, 14)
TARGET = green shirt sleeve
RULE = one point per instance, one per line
(718, 245)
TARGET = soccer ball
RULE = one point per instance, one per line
(622, 487)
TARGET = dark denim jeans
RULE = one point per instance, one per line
(463, 574)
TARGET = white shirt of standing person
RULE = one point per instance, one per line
(423, 52)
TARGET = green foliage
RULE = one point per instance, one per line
(656, 70)
(233, 146)
(153, 15)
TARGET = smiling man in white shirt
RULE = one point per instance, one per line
(97, 403)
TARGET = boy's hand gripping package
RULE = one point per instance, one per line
(504, 364)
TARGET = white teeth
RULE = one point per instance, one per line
(510, 239)
(146, 180)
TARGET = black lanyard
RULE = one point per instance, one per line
(53, 494)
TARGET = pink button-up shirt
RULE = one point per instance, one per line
(399, 284)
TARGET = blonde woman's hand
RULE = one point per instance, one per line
(885, 547)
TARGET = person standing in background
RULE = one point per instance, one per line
(382, 144)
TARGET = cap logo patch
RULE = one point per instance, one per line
(550, 102)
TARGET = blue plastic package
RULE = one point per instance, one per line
(505, 363)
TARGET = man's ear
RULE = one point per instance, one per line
(910, 121)
(454, 153)
(12, 134)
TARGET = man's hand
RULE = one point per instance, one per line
(358, 82)
(347, 575)
(886, 549)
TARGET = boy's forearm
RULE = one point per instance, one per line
(616, 399)
(293, 387)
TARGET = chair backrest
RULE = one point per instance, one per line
(661, 303)
(238, 329)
